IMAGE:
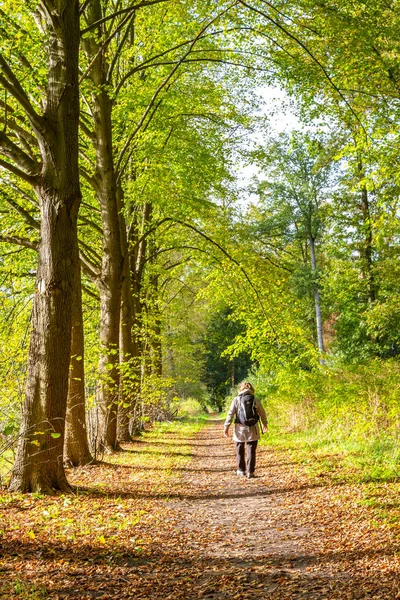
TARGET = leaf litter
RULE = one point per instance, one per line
(168, 518)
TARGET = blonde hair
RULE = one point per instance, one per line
(246, 385)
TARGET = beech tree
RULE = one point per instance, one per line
(41, 148)
(125, 74)
(22, 203)
(293, 193)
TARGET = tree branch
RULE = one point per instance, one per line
(18, 172)
(88, 290)
(161, 251)
(10, 82)
(24, 194)
(13, 152)
(90, 250)
(24, 213)
(118, 13)
(20, 131)
(90, 223)
(310, 54)
(88, 267)
(14, 239)
(206, 237)
(164, 83)
(91, 180)
(149, 62)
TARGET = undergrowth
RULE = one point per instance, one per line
(343, 420)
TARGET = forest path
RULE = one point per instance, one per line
(279, 535)
(168, 519)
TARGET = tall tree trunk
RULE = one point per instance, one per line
(76, 447)
(366, 246)
(108, 368)
(317, 300)
(39, 460)
(155, 335)
(110, 280)
(127, 382)
(125, 335)
(137, 250)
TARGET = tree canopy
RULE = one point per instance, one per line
(140, 267)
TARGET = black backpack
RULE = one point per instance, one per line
(247, 412)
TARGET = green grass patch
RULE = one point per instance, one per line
(24, 591)
(350, 457)
(369, 466)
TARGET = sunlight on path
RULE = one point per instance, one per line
(275, 536)
(168, 519)
(244, 518)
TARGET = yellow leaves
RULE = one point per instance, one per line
(52, 512)
(286, 539)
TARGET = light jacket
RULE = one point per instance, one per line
(245, 433)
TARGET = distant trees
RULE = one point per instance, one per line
(223, 372)
(293, 193)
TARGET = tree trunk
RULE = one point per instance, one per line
(137, 250)
(125, 335)
(127, 382)
(76, 447)
(366, 247)
(317, 301)
(110, 281)
(39, 461)
(155, 335)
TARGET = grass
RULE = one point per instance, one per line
(187, 426)
(371, 466)
(27, 592)
(355, 456)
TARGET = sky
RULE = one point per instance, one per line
(282, 118)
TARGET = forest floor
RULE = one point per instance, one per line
(168, 518)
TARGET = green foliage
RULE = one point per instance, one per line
(221, 371)
(225, 287)
(351, 410)
(186, 408)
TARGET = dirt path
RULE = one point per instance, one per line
(170, 520)
(278, 536)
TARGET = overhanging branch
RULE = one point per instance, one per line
(118, 13)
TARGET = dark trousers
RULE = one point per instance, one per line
(250, 464)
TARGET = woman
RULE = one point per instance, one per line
(245, 435)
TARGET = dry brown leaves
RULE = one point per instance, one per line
(168, 518)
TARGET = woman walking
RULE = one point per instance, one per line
(246, 408)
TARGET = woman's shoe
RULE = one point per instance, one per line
(240, 473)
(250, 475)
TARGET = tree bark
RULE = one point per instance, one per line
(155, 334)
(39, 460)
(76, 447)
(125, 334)
(366, 247)
(317, 300)
(137, 250)
(110, 281)
(127, 383)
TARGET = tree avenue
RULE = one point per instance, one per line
(146, 271)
